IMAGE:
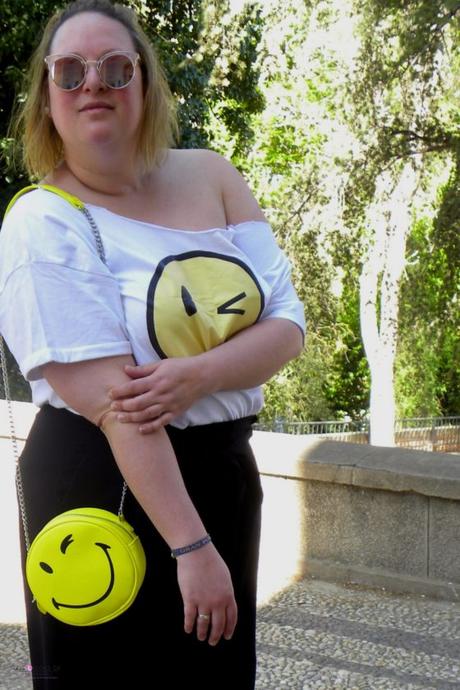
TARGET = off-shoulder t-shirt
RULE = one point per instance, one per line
(163, 292)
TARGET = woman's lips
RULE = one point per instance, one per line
(95, 106)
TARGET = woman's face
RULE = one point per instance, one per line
(117, 121)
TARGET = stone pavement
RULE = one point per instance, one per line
(320, 636)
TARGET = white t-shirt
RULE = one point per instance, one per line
(163, 292)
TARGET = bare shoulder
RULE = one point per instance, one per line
(206, 162)
(214, 169)
(191, 163)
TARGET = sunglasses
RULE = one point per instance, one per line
(116, 69)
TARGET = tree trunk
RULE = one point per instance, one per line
(389, 219)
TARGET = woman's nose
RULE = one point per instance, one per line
(93, 81)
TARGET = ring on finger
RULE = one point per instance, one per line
(204, 616)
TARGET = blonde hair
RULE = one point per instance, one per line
(40, 145)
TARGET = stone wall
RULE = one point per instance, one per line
(385, 517)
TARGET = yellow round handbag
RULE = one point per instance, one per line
(85, 566)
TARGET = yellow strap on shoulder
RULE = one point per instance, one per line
(75, 201)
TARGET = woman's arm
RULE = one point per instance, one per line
(163, 390)
(252, 356)
(151, 471)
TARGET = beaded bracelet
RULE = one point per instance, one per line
(191, 547)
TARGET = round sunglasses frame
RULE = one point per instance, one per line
(50, 62)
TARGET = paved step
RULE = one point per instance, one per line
(320, 636)
(14, 658)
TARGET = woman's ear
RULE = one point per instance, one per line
(45, 99)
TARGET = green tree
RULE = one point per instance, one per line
(429, 362)
(20, 25)
(292, 172)
(348, 382)
(399, 110)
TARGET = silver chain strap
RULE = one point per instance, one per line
(96, 233)
(6, 385)
(14, 441)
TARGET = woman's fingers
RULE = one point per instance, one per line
(151, 419)
(139, 403)
(217, 627)
(144, 415)
(141, 370)
(139, 384)
(157, 423)
(230, 621)
(129, 389)
(211, 626)
(157, 393)
(203, 622)
(189, 617)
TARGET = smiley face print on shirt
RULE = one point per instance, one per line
(199, 299)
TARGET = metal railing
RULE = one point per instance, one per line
(441, 434)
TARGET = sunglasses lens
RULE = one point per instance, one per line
(68, 73)
(117, 71)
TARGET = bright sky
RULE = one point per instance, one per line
(236, 5)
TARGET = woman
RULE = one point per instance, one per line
(147, 367)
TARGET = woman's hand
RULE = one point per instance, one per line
(211, 596)
(158, 392)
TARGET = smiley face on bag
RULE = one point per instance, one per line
(85, 567)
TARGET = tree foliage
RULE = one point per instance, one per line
(403, 91)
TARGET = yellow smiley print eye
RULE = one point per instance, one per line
(82, 577)
(198, 300)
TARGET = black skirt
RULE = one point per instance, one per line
(67, 463)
